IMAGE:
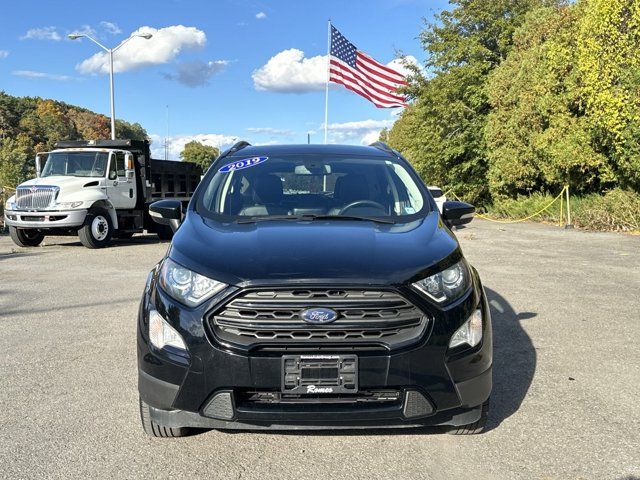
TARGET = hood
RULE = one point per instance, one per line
(316, 251)
(68, 185)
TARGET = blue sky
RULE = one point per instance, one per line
(226, 69)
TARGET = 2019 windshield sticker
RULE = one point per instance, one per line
(240, 164)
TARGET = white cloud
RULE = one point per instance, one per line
(270, 131)
(165, 45)
(4, 53)
(364, 132)
(398, 64)
(42, 33)
(177, 143)
(196, 73)
(47, 76)
(85, 30)
(261, 15)
(290, 72)
(110, 28)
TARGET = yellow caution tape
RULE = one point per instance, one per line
(559, 196)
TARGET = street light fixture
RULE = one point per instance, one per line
(110, 51)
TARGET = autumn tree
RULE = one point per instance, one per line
(31, 124)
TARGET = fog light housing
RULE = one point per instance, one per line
(161, 334)
(470, 333)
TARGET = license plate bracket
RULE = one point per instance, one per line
(319, 374)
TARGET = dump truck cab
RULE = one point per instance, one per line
(97, 189)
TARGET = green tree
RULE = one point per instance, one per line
(609, 64)
(16, 160)
(450, 106)
(133, 131)
(196, 152)
(536, 133)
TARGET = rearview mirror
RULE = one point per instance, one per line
(167, 212)
(457, 213)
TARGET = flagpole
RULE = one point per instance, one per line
(326, 86)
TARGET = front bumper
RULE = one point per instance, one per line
(209, 389)
(45, 219)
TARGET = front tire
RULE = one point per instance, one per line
(97, 230)
(156, 430)
(26, 237)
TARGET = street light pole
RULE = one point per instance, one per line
(111, 94)
(110, 51)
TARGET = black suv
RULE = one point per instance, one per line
(313, 286)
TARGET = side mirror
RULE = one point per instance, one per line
(167, 212)
(39, 163)
(457, 213)
(130, 171)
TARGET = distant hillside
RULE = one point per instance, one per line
(32, 124)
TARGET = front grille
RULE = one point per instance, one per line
(271, 318)
(35, 198)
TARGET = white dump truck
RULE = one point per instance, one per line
(98, 190)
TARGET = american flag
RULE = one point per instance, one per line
(361, 74)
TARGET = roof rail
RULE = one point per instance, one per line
(235, 148)
(383, 146)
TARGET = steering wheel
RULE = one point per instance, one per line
(361, 203)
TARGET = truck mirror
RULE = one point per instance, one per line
(39, 162)
(167, 212)
(130, 171)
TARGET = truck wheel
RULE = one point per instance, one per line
(475, 427)
(97, 229)
(156, 430)
(26, 237)
(164, 232)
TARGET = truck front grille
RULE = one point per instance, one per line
(271, 318)
(36, 197)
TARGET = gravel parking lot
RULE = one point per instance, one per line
(566, 376)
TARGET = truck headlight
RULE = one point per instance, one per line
(162, 334)
(447, 285)
(69, 204)
(186, 286)
(470, 333)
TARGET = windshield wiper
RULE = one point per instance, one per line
(253, 219)
(311, 217)
(346, 217)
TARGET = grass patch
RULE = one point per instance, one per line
(616, 211)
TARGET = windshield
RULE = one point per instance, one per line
(310, 186)
(75, 164)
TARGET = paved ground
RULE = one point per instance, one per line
(565, 402)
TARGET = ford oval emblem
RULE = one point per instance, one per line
(319, 315)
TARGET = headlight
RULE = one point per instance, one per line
(470, 333)
(447, 285)
(69, 204)
(186, 286)
(162, 334)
